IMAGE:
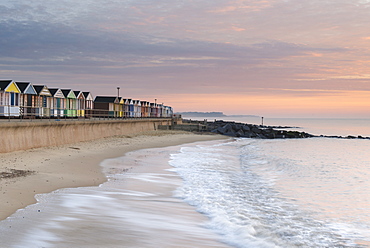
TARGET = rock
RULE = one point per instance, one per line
(246, 128)
(256, 130)
(228, 128)
(230, 133)
(239, 133)
(261, 136)
(221, 130)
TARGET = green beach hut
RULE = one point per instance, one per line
(70, 98)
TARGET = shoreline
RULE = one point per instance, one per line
(23, 174)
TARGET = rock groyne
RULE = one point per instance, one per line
(244, 130)
(253, 131)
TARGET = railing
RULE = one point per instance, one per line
(25, 113)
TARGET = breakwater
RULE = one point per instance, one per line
(26, 135)
(253, 131)
(244, 130)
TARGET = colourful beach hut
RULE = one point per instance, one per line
(137, 108)
(28, 99)
(70, 103)
(125, 107)
(131, 108)
(89, 104)
(160, 110)
(43, 101)
(121, 107)
(80, 103)
(9, 98)
(144, 108)
(168, 112)
(106, 106)
(153, 110)
(148, 109)
(58, 103)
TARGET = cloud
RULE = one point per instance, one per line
(156, 62)
(208, 47)
(60, 43)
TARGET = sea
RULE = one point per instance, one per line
(236, 192)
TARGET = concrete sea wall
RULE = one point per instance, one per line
(25, 135)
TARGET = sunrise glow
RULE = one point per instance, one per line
(271, 58)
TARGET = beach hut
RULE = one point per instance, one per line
(70, 103)
(43, 101)
(165, 111)
(89, 104)
(131, 108)
(137, 108)
(106, 106)
(125, 107)
(27, 100)
(160, 110)
(80, 103)
(144, 108)
(118, 107)
(122, 107)
(153, 110)
(9, 98)
(168, 112)
(58, 104)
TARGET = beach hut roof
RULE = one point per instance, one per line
(42, 90)
(56, 92)
(88, 96)
(26, 88)
(4, 84)
(79, 94)
(109, 99)
(125, 100)
(68, 93)
(9, 86)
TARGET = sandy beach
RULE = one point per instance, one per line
(24, 174)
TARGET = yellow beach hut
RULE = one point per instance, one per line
(80, 103)
(9, 98)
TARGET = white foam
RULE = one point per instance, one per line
(235, 186)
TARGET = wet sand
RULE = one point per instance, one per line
(135, 207)
(24, 174)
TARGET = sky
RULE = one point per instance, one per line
(272, 58)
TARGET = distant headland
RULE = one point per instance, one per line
(210, 114)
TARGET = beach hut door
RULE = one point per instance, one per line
(13, 99)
